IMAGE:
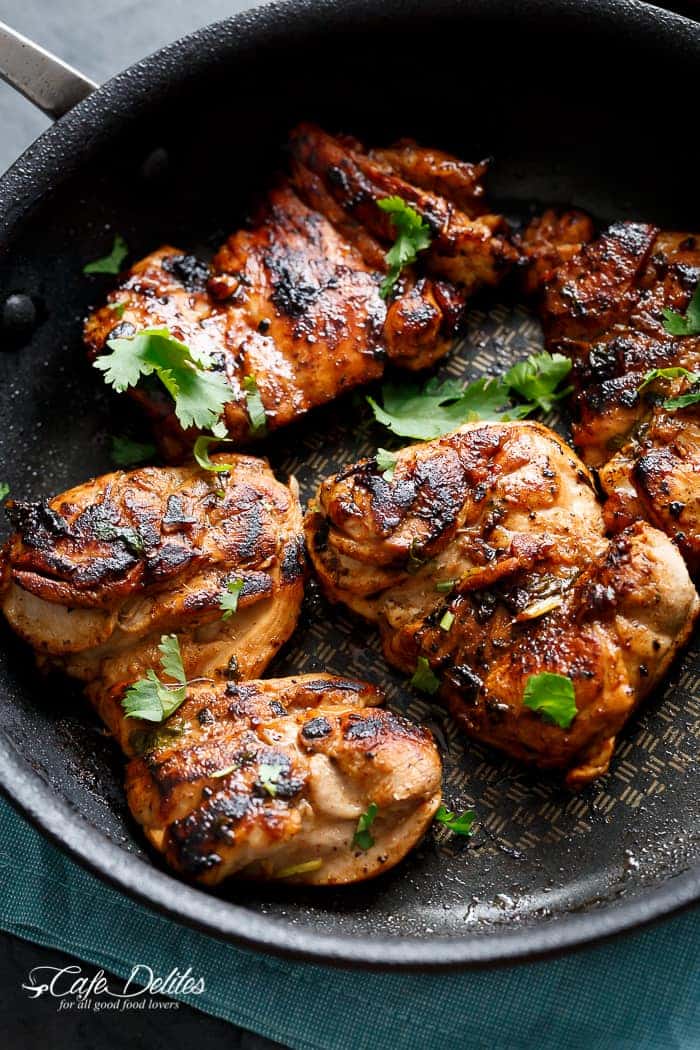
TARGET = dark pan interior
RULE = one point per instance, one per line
(590, 104)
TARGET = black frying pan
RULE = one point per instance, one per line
(591, 102)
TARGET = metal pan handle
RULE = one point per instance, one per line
(45, 80)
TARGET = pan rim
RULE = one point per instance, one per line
(33, 176)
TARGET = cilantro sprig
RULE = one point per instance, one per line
(362, 837)
(386, 462)
(255, 407)
(687, 323)
(412, 411)
(552, 696)
(199, 394)
(692, 397)
(201, 454)
(111, 263)
(457, 823)
(152, 699)
(412, 236)
(228, 602)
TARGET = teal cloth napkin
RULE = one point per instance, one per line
(641, 991)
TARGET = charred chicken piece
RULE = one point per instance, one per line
(485, 555)
(269, 779)
(604, 308)
(94, 577)
(294, 301)
(548, 242)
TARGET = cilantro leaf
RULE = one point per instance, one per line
(386, 461)
(131, 538)
(127, 453)
(199, 394)
(692, 397)
(458, 824)
(201, 454)
(553, 697)
(426, 412)
(229, 599)
(362, 837)
(537, 378)
(255, 407)
(4, 490)
(268, 773)
(424, 678)
(687, 323)
(412, 236)
(111, 263)
(150, 698)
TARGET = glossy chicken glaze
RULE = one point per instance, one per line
(295, 300)
(508, 515)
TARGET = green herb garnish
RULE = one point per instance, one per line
(687, 323)
(458, 824)
(199, 394)
(552, 696)
(229, 599)
(117, 309)
(268, 774)
(111, 263)
(155, 700)
(386, 462)
(412, 236)
(447, 621)
(298, 869)
(255, 407)
(107, 532)
(4, 490)
(536, 379)
(201, 454)
(445, 586)
(127, 453)
(362, 837)
(424, 678)
(674, 372)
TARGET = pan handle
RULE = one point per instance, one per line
(44, 79)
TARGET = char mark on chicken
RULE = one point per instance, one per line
(604, 307)
(295, 300)
(268, 780)
(486, 556)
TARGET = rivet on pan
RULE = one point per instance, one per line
(155, 166)
(18, 319)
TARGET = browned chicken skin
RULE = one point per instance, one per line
(251, 777)
(295, 301)
(93, 578)
(265, 776)
(603, 307)
(508, 514)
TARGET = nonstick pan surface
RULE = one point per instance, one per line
(585, 103)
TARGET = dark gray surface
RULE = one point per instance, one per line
(99, 37)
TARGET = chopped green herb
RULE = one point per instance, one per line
(255, 407)
(447, 621)
(445, 586)
(687, 323)
(412, 236)
(386, 461)
(268, 773)
(362, 837)
(224, 772)
(130, 537)
(458, 824)
(201, 454)
(111, 263)
(155, 700)
(229, 599)
(415, 563)
(537, 379)
(552, 696)
(198, 393)
(299, 869)
(423, 677)
(128, 453)
(118, 309)
(4, 490)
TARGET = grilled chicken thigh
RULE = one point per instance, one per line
(94, 577)
(294, 302)
(485, 555)
(269, 779)
(604, 308)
